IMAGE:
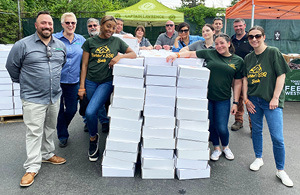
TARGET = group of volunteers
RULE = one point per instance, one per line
(55, 69)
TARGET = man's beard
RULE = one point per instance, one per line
(93, 33)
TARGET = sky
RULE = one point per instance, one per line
(208, 3)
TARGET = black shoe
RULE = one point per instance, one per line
(85, 128)
(105, 127)
(94, 150)
(63, 143)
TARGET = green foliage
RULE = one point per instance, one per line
(192, 3)
(199, 13)
(233, 2)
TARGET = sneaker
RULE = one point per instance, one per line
(236, 126)
(93, 149)
(285, 179)
(257, 164)
(105, 127)
(85, 128)
(228, 154)
(215, 155)
(28, 179)
(56, 160)
(63, 143)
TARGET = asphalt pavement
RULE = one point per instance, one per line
(79, 176)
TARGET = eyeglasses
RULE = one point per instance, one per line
(184, 31)
(171, 25)
(68, 23)
(94, 25)
(49, 53)
(257, 36)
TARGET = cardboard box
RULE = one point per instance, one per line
(125, 124)
(158, 173)
(193, 125)
(6, 93)
(157, 153)
(6, 103)
(160, 81)
(16, 93)
(4, 74)
(157, 61)
(5, 112)
(4, 53)
(124, 146)
(159, 122)
(138, 93)
(6, 87)
(161, 91)
(135, 62)
(157, 163)
(126, 156)
(128, 71)
(124, 113)
(198, 62)
(117, 172)
(186, 82)
(193, 72)
(192, 93)
(120, 81)
(16, 86)
(159, 143)
(161, 70)
(159, 111)
(119, 134)
(191, 114)
(17, 102)
(5, 81)
(155, 100)
(113, 162)
(128, 103)
(185, 144)
(193, 154)
(181, 163)
(193, 174)
(192, 103)
(192, 135)
(18, 111)
(158, 132)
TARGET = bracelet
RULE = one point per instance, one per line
(246, 101)
(235, 103)
(81, 89)
(178, 55)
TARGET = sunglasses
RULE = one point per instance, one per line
(171, 25)
(68, 23)
(257, 36)
(94, 25)
(49, 53)
(184, 31)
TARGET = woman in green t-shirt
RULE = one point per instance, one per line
(100, 53)
(264, 95)
(225, 67)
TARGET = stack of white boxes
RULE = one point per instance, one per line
(192, 151)
(121, 149)
(157, 152)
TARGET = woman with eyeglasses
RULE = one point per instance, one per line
(184, 38)
(140, 35)
(225, 67)
(263, 90)
(69, 75)
(100, 53)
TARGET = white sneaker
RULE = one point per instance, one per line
(257, 164)
(285, 179)
(228, 154)
(215, 155)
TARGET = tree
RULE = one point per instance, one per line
(192, 3)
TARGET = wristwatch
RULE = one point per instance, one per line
(237, 103)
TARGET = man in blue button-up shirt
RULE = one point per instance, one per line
(69, 76)
(36, 62)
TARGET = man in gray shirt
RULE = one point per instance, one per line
(36, 62)
(166, 40)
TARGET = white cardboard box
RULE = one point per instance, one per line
(117, 172)
(157, 163)
(164, 111)
(121, 145)
(192, 93)
(193, 154)
(5, 81)
(5, 93)
(155, 100)
(193, 72)
(120, 81)
(4, 74)
(125, 124)
(193, 125)
(6, 103)
(193, 174)
(181, 163)
(192, 103)
(6, 87)
(18, 111)
(128, 71)
(161, 91)
(16, 92)
(160, 81)
(17, 102)
(120, 134)
(161, 70)
(156, 61)
(113, 162)
(5, 112)
(158, 173)
(157, 153)
(16, 86)
(159, 122)
(128, 103)
(129, 92)
(187, 82)
(188, 61)
(191, 114)
(159, 143)
(124, 113)
(135, 62)
(185, 144)
(158, 132)
(192, 135)
(126, 156)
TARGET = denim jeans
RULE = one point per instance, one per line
(218, 121)
(275, 123)
(67, 110)
(97, 95)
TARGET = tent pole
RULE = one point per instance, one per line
(225, 29)
(252, 17)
